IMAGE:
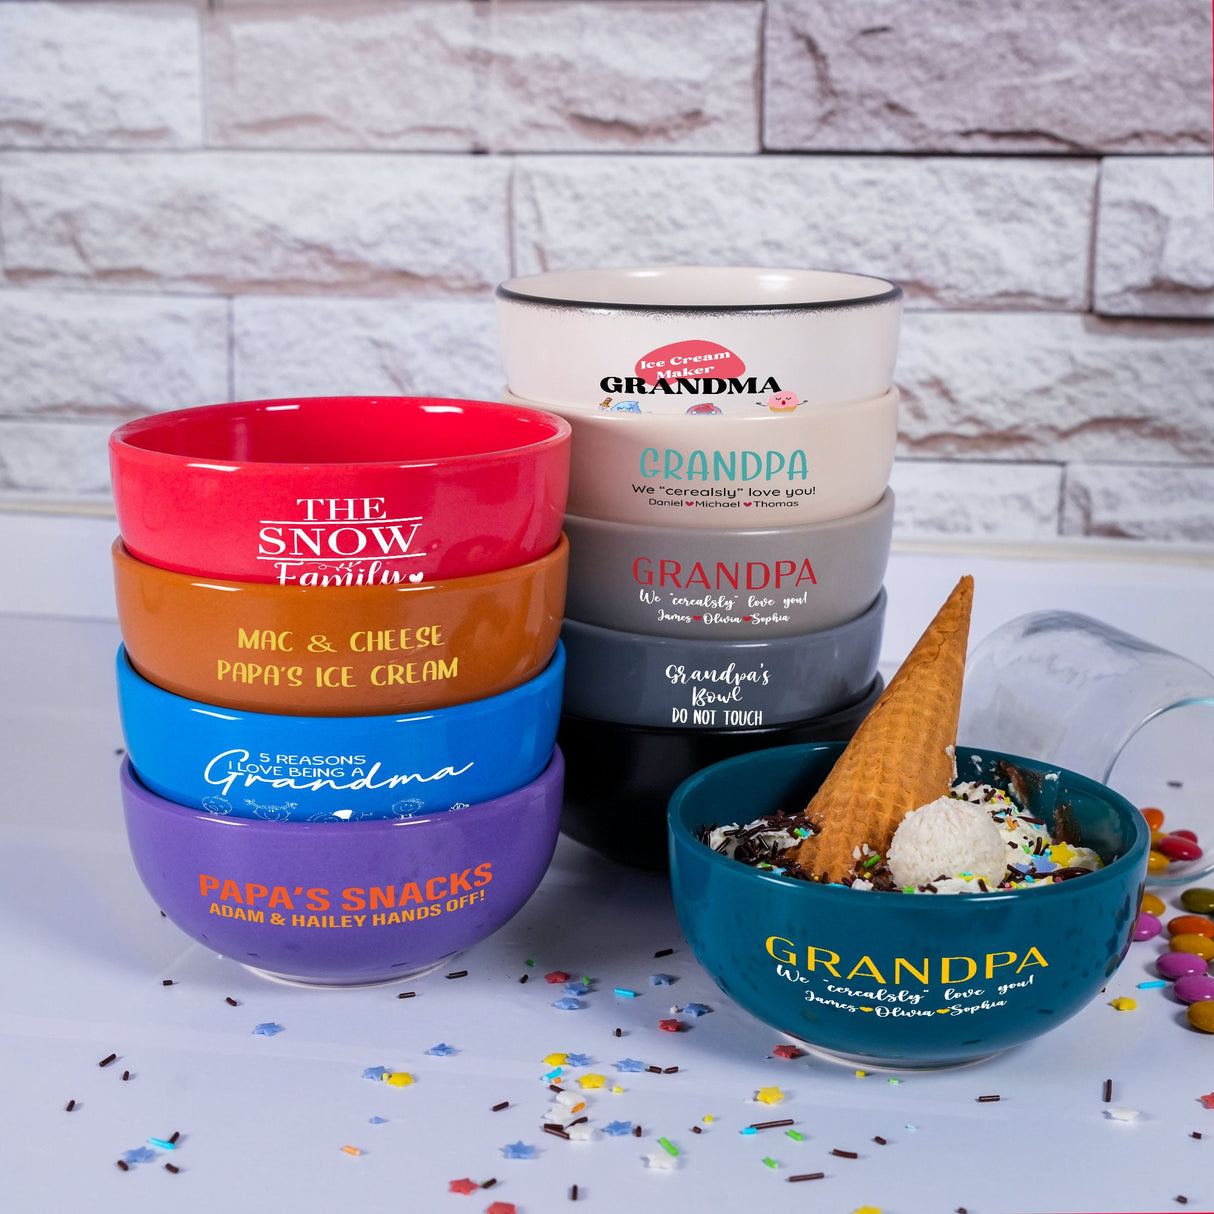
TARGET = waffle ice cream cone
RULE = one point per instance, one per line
(901, 757)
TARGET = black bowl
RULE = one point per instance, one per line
(619, 778)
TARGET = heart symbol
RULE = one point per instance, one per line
(689, 503)
(697, 617)
(416, 577)
(748, 503)
(748, 618)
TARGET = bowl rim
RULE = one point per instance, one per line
(678, 833)
(123, 445)
(651, 532)
(553, 772)
(553, 671)
(515, 290)
(510, 577)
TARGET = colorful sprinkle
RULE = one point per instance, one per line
(139, 1155)
(567, 1004)
(696, 1010)
(1123, 1003)
(623, 993)
(442, 1050)
(786, 1051)
(769, 1162)
(1147, 986)
(771, 1095)
(501, 1207)
(349, 1150)
(669, 1026)
(518, 1150)
(463, 1185)
(268, 1029)
(629, 1064)
(399, 1079)
(556, 1059)
(795, 1135)
(578, 1059)
(556, 976)
(668, 1146)
(592, 1081)
(375, 1072)
(617, 1129)
(163, 1143)
(661, 979)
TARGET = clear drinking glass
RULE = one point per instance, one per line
(1071, 690)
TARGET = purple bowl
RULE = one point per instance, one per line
(344, 904)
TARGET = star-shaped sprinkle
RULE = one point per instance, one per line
(617, 1129)
(1118, 1112)
(669, 1026)
(769, 1095)
(1123, 1003)
(661, 1160)
(518, 1150)
(786, 1051)
(268, 1029)
(1063, 854)
(592, 1080)
(697, 1010)
(578, 1059)
(661, 979)
(139, 1155)
(629, 1064)
(556, 976)
(441, 1050)
(399, 1079)
(1208, 1100)
(582, 1132)
(574, 988)
(567, 1004)
(377, 1120)
(556, 1059)
(375, 1072)
(507, 1207)
(462, 1186)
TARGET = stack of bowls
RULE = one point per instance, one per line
(341, 674)
(729, 517)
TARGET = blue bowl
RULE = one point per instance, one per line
(906, 981)
(320, 769)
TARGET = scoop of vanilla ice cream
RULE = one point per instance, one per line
(945, 839)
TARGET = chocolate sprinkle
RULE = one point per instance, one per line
(670, 1070)
(1184, 1201)
(555, 1087)
(71, 1104)
(489, 1183)
(1108, 1091)
(578, 1121)
(524, 978)
(619, 1032)
(1195, 1134)
(695, 1129)
(459, 974)
(636, 1131)
(172, 1167)
(768, 1125)
(654, 1070)
(125, 1076)
(230, 1001)
(166, 982)
(573, 1193)
(987, 1099)
(123, 1165)
(808, 1176)
(176, 1135)
(107, 1060)
(497, 1108)
(879, 1140)
(845, 1154)
(664, 952)
(407, 995)
(556, 1130)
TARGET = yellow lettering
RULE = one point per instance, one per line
(899, 962)
(790, 956)
(990, 962)
(866, 964)
(1028, 959)
(811, 959)
(946, 974)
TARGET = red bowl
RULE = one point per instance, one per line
(343, 490)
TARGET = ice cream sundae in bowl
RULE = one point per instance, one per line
(904, 901)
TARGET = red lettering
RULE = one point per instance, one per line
(206, 884)
(410, 893)
(230, 890)
(674, 567)
(253, 892)
(459, 881)
(483, 873)
(353, 899)
(430, 894)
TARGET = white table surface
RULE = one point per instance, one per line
(262, 1120)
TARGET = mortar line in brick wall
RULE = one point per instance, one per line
(511, 242)
(231, 347)
(761, 83)
(203, 17)
(1060, 513)
(1093, 236)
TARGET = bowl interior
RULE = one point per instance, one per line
(752, 785)
(342, 430)
(699, 287)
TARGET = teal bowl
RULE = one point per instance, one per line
(903, 981)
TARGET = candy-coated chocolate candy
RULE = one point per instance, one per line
(1147, 927)
(1190, 942)
(1197, 925)
(1186, 834)
(1154, 905)
(1156, 835)
(1177, 847)
(1197, 899)
(1179, 965)
(1156, 861)
(1193, 988)
(1153, 816)
(1201, 1015)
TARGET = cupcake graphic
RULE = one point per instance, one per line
(782, 403)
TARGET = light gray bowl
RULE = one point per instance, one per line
(725, 584)
(673, 682)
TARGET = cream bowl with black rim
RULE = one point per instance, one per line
(752, 340)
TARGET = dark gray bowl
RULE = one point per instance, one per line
(619, 778)
(708, 684)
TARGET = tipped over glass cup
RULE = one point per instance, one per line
(1074, 691)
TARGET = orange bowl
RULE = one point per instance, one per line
(340, 650)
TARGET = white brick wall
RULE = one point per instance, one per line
(248, 198)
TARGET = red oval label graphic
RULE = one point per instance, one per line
(689, 359)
